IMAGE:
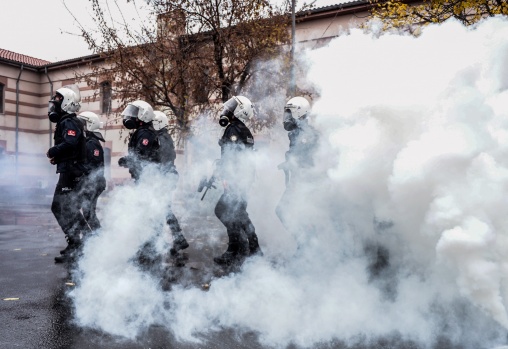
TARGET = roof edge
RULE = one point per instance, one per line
(333, 10)
(321, 12)
(19, 64)
(73, 61)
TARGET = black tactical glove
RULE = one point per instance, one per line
(122, 162)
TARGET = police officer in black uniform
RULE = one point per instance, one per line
(167, 156)
(237, 172)
(68, 154)
(143, 149)
(143, 144)
(303, 143)
(94, 182)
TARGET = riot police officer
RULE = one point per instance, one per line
(94, 182)
(303, 143)
(68, 154)
(167, 156)
(143, 149)
(237, 172)
(143, 145)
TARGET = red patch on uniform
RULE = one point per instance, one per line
(71, 133)
(145, 141)
(96, 152)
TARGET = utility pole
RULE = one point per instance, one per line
(292, 83)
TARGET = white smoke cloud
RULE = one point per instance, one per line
(420, 141)
(27, 177)
(412, 166)
(114, 294)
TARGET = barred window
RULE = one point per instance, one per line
(105, 97)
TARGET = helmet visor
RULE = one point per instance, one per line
(288, 115)
(74, 88)
(230, 106)
(131, 111)
(289, 122)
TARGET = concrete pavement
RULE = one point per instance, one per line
(36, 313)
(34, 309)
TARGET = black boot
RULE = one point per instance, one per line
(254, 248)
(66, 258)
(228, 258)
(67, 248)
(147, 256)
(179, 243)
(250, 231)
(232, 256)
(71, 252)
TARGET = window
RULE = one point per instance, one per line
(2, 98)
(201, 91)
(106, 97)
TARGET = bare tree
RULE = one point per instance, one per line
(194, 54)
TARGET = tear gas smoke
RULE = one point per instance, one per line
(29, 179)
(111, 284)
(401, 234)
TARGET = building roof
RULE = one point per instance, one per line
(37, 64)
(18, 57)
(339, 4)
(344, 6)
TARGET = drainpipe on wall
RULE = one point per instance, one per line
(17, 118)
(51, 94)
(292, 83)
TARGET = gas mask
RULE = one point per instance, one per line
(225, 118)
(131, 123)
(228, 112)
(55, 108)
(130, 117)
(289, 122)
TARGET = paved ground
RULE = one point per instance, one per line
(36, 313)
(34, 309)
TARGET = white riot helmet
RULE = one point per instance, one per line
(71, 99)
(139, 110)
(160, 120)
(298, 106)
(65, 100)
(91, 120)
(239, 106)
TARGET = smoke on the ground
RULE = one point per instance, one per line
(26, 177)
(401, 233)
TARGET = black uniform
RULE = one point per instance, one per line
(167, 153)
(237, 172)
(68, 154)
(167, 156)
(303, 143)
(143, 148)
(94, 182)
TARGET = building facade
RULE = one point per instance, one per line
(27, 83)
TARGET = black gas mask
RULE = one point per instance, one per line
(55, 111)
(225, 118)
(289, 122)
(227, 114)
(131, 123)
(130, 117)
